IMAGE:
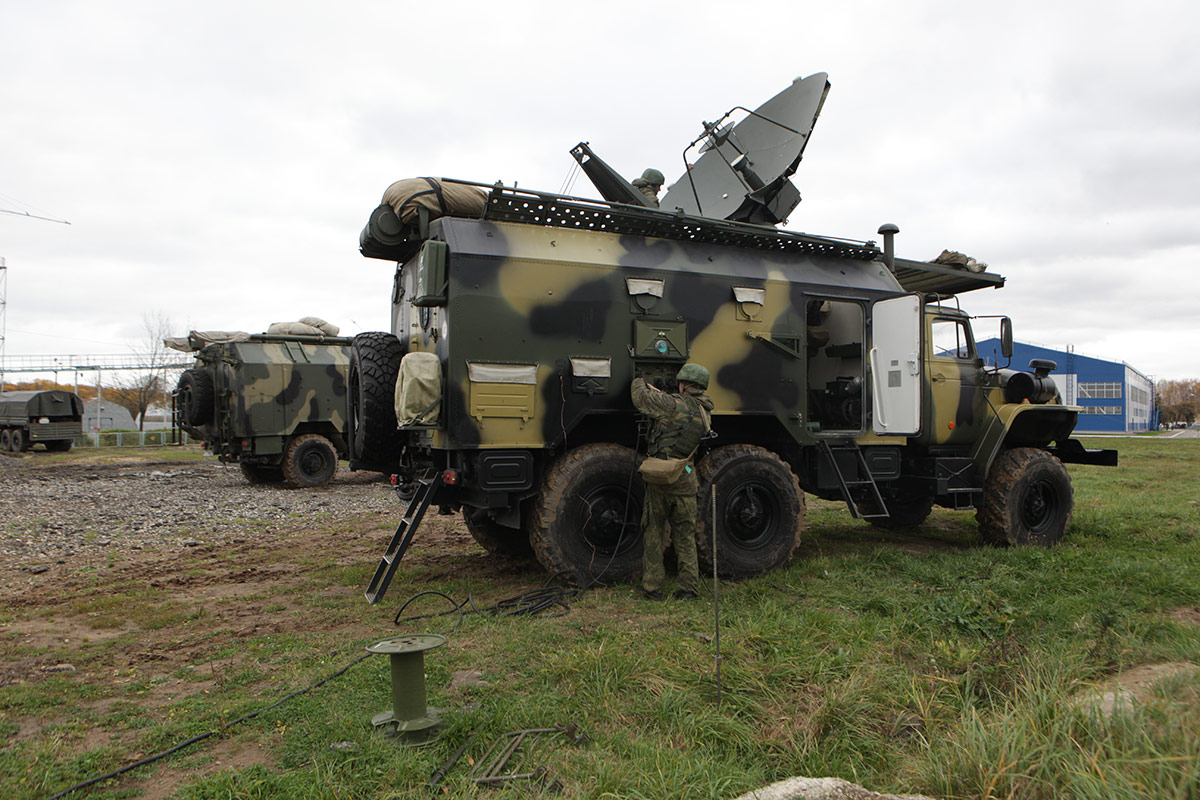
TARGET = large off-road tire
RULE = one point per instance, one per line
(309, 460)
(497, 539)
(1027, 499)
(196, 397)
(16, 441)
(59, 445)
(760, 511)
(261, 473)
(6, 440)
(371, 433)
(587, 518)
(905, 510)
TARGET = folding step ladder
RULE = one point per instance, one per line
(849, 445)
(428, 486)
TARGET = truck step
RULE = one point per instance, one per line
(849, 445)
(402, 538)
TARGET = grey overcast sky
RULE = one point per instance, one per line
(217, 160)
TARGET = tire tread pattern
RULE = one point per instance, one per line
(293, 461)
(494, 537)
(996, 516)
(546, 534)
(711, 466)
(372, 435)
(198, 389)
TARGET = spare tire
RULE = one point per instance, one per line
(196, 397)
(372, 435)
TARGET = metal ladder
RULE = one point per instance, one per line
(429, 484)
(849, 445)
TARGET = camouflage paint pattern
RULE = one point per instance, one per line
(531, 299)
(524, 295)
(271, 388)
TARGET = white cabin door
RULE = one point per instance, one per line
(896, 366)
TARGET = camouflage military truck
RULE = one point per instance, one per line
(53, 418)
(837, 370)
(272, 403)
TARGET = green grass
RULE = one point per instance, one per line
(918, 663)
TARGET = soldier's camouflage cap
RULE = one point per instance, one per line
(693, 373)
(653, 177)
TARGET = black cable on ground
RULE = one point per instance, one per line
(182, 745)
(534, 603)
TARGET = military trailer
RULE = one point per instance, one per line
(837, 369)
(53, 418)
(273, 403)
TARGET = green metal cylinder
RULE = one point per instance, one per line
(408, 686)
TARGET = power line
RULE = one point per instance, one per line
(32, 216)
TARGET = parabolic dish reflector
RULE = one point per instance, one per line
(744, 169)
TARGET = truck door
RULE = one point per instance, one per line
(895, 360)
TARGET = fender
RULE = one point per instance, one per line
(1022, 425)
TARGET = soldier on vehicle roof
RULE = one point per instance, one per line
(679, 421)
(650, 184)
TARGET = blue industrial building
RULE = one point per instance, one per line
(1114, 396)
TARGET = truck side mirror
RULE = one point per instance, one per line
(1006, 340)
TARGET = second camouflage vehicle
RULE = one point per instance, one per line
(274, 403)
(520, 318)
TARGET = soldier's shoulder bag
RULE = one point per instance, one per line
(664, 471)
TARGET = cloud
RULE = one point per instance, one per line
(218, 161)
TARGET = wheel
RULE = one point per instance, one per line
(196, 397)
(16, 441)
(309, 460)
(371, 433)
(905, 510)
(261, 473)
(6, 440)
(497, 539)
(1027, 499)
(59, 445)
(759, 514)
(586, 520)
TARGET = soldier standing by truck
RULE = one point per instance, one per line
(679, 421)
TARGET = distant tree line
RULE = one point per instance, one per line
(1178, 401)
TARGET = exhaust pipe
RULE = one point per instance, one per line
(888, 231)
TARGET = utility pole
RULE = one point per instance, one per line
(3, 315)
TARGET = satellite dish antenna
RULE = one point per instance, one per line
(744, 170)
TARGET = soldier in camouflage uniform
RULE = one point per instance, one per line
(680, 420)
(650, 184)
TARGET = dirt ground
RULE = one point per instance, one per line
(225, 560)
(245, 556)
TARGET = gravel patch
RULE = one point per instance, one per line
(91, 506)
